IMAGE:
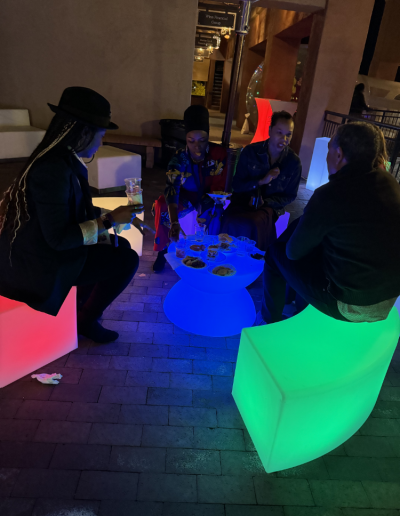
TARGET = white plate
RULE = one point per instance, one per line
(230, 250)
(194, 268)
(216, 197)
(195, 253)
(210, 270)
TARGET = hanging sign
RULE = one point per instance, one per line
(204, 40)
(223, 20)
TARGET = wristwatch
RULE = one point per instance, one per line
(108, 221)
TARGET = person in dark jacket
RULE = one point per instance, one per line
(342, 256)
(358, 104)
(50, 233)
(266, 180)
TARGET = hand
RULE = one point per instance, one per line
(272, 174)
(174, 232)
(125, 214)
(141, 226)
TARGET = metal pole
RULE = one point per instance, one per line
(242, 28)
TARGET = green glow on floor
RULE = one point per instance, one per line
(305, 385)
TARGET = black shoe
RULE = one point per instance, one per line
(160, 262)
(95, 331)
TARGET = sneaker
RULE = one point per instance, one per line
(160, 262)
(259, 320)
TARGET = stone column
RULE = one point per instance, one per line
(386, 58)
(336, 47)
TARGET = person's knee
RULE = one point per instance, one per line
(127, 262)
(273, 253)
(124, 243)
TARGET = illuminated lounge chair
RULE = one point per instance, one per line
(303, 386)
(31, 339)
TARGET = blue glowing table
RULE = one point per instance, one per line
(209, 305)
(304, 386)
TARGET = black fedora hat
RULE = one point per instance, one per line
(85, 105)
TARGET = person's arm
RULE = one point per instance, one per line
(219, 174)
(174, 177)
(176, 167)
(242, 182)
(309, 232)
(279, 200)
(49, 187)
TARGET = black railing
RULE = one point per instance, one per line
(391, 132)
(383, 116)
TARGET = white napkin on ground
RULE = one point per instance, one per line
(51, 379)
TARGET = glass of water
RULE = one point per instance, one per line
(200, 231)
(250, 246)
(241, 243)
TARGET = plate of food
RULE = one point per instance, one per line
(257, 256)
(223, 271)
(227, 247)
(197, 248)
(193, 262)
(219, 196)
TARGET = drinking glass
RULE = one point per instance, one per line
(212, 252)
(133, 190)
(250, 246)
(180, 248)
(199, 232)
(241, 243)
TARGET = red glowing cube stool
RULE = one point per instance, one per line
(31, 339)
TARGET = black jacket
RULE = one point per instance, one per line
(48, 253)
(254, 164)
(355, 219)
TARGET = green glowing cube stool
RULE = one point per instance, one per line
(305, 385)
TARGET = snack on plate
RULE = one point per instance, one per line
(224, 237)
(223, 270)
(213, 246)
(195, 263)
(257, 256)
(180, 253)
(220, 193)
(197, 248)
(225, 245)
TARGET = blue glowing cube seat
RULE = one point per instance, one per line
(305, 385)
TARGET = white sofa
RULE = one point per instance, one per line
(18, 139)
(111, 166)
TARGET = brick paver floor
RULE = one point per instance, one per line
(146, 426)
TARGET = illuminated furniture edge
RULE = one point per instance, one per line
(30, 339)
(265, 109)
(183, 305)
(133, 235)
(211, 306)
(302, 397)
(318, 174)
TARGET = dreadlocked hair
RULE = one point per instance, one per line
(63, 135)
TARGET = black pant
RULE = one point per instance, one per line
(305, 276)
(106, 273)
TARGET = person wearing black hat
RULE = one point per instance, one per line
(192, 173)
(49, 230)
